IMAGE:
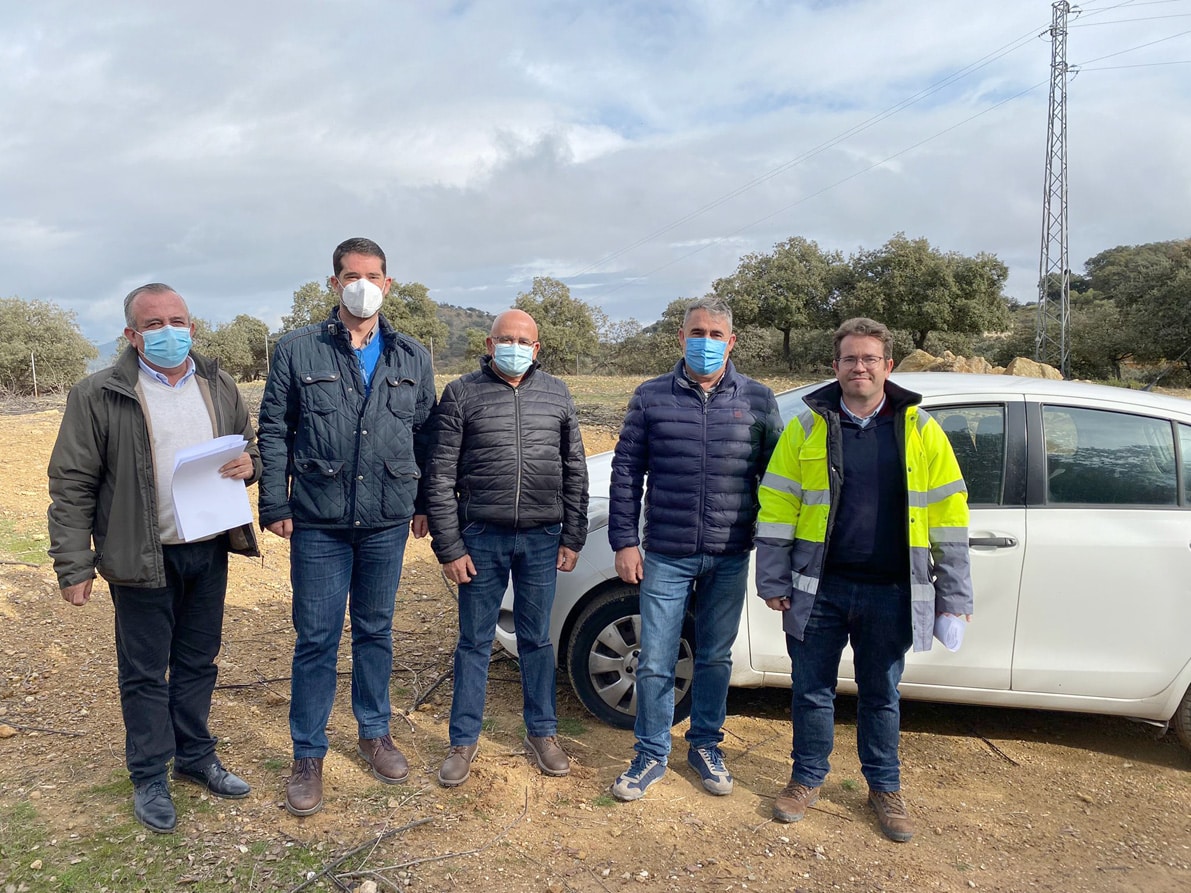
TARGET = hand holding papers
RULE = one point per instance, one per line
(205, 503)
(949, 630)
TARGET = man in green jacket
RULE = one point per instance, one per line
(112, 512)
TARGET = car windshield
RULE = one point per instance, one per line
(790, 403)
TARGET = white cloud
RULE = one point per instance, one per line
(637, 149)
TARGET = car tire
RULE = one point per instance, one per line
(602, 656)
(1182, 720)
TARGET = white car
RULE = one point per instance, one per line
(1080, 537)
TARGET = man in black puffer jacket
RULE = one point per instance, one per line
(702, 435)
(506, 494)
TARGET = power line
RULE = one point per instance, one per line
(1177, 15)
(852, 176)
(1004, 50)
(1140, 46)
(1138, 65)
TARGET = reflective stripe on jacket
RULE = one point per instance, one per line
(800, 492)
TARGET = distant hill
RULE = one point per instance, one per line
(107, 353)
(459, 320)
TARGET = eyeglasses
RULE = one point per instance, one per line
(866, 362)
(509, 339)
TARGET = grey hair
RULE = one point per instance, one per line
(711, 305)
(153, 288)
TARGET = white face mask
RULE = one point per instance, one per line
(362, 299)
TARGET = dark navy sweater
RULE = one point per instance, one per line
(869, 540)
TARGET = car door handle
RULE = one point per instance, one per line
(997, 542)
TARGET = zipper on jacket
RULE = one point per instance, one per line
(517, 440)
(705, 398)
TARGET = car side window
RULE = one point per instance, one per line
(977, 435)
(1099, 457)
(1185, 453)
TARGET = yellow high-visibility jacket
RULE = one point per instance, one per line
(800, 491)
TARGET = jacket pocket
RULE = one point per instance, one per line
(398, 489)
(320, 490)
(402, 396)
(321, 391)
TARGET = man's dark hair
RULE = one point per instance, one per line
(357, 246)
(865, 327)
(153, 288)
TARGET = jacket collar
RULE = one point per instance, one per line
(126, 370)
(729, 380)
(337, 329)
(826, 400)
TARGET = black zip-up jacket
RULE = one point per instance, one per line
(334, 458)
(506, 455)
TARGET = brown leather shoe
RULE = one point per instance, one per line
(793, 802)
(456, 768)
(304, 790)
(892, 814)
(387, 762)
(552, 759)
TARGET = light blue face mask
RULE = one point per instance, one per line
(513, 359)
(705, 355)
(168, 346)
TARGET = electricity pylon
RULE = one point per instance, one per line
(1051, 344)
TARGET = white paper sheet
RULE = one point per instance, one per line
(949, 630)
(204, 502)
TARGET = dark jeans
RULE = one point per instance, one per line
(173, 632)
(325, 567)
(530, 558)
(876, 618)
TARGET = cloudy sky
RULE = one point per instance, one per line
(633, 148)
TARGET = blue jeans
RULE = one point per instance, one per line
(325, 567)
(177, 630)
(876, 617)
(530, 557)
(717, 583)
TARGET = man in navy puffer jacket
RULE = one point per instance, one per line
(702, 435)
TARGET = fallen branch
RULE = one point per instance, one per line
(18, 563)
(47, 731)
(384, 835)
(507, 828)
(1004, 756)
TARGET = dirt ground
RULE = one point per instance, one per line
(1004, 800)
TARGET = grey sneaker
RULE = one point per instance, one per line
(709, 763)
(642, 772)
(456, 768)
(892, 814)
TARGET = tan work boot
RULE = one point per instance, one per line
(456, 768)
(793, 802)
(892, 815)
(552, 759)
(304, 790)
(387, 762)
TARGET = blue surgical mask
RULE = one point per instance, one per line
(168, 346)
(705, 355)
(513, 359)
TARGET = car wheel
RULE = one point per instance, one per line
(1182, 720)
(605, 647)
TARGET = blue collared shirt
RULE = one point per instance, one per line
(862, 422)
(145, 367)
